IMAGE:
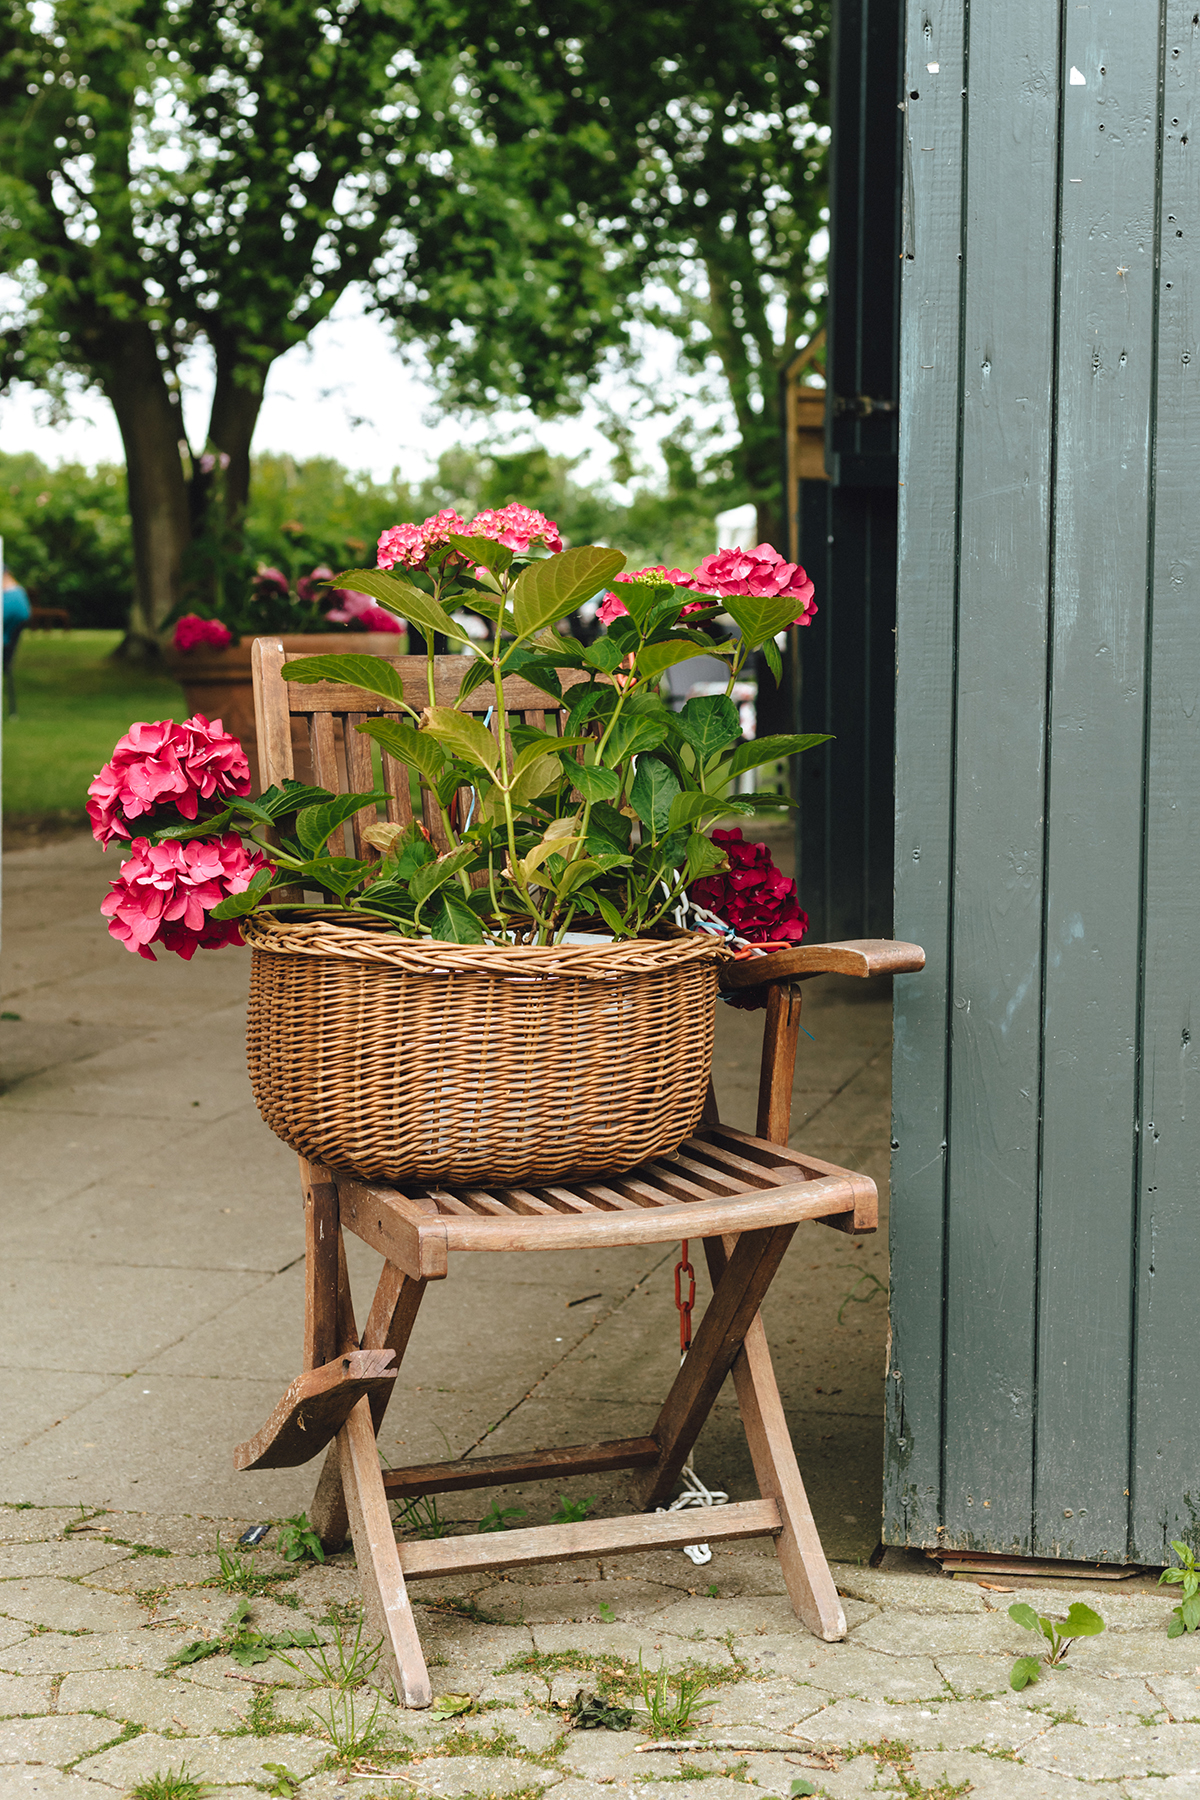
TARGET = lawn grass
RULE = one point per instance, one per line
(73, 703)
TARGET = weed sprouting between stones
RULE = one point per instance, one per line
(671, 1717)
(171, 1784)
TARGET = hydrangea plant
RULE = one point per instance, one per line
(604, 827)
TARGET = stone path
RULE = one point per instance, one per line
(96, 1610)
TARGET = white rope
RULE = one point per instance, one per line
(695, 1493)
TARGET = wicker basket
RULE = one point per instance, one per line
(415, 1062)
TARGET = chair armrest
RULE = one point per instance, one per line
(858, 956)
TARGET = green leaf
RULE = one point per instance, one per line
(633, 732)
(1170, 1575)
(404, 598)
(1189, 1612)
(1022, 1614)
(772, 658)
(1025, 1670)
(1081, 1621)
(237, 906)
(431, 876)
(603, 655)
(608, 829)
(611, 916)
(371, 673)
(1177, 1627)
(277, 803)
(202, 1647)
(691, 805)
(179, 834)
(452, 921)
(464, 736)
(641, 597)
(534, 779)
(546, 591)
(487, 551)
(653, 659)
(410, 853)
(757, 751)
(759, 617)
(315, 823)
(476, 675)
(417, 748)
(709, 724)
(703, 857)
(655, 786)
(340, 874)
(594, 782)
(801, 1787)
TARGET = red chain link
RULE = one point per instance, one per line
(685, 1272)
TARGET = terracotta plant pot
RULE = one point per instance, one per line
(218, 683)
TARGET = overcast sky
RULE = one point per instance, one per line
(346, 394)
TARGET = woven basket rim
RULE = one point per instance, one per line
(380, 944)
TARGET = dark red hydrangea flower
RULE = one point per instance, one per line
(752, 895)
(755, 898)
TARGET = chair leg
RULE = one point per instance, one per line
(389, 1327)
(736, 1297)
(386, 1606)
(806, 1572)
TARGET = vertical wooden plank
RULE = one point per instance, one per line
(1007, 363)
(1094, 817)
(272, 720)
(360, 774)
(1164, 1483)
(935, 137)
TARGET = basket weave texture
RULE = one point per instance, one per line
(416, 1062)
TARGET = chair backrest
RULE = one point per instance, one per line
(308, 732)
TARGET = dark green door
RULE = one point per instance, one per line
(1045, 1213)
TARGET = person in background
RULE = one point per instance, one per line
(16, 618)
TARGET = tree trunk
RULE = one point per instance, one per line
(151, 428)
(237, 401)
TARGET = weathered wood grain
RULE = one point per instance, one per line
(1163, 1473)
(931, 295)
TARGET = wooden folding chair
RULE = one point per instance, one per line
(743, 1195)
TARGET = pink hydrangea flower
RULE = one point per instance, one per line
(361, 610)
(165, 764)
(409, 545)
(271, 582)
(192, 630)
(612, 608)
(761, 571)
(517, 528)
(164, 893)
(309, 586)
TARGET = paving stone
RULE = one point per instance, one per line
(995, 1778)
(1171, 1787)
(1145, 1653)
(952, 1726)
(12, 1631)
(215, 1759)
(57, 1653)
(793, 1656)
(138, 1695)
(845, 1669)
(748, 1568)
(38, 1781)
(205, 1612)
(609, 1756)
(52, 1740)
(29, 1524)
(861, 1778)
(77, 1556)
(575, 1789)
(451, 1775)
(24, 1694)
(908, 1593)
(227, 1677)
(773, 1705)
(977, 1677)
(522, 1690)
(716, 1787)
(1095, 1699)
(68, 1605)
(1180, 1694)
(625, 1641)
(461, 1640)
(744, 1617)
(533, 1603)
(1121, 1611)
(918, 1634)
(1117, 1750)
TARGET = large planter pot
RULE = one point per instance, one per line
(218, 683)
(416, 1062)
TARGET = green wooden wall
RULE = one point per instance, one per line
(1045, 1212)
